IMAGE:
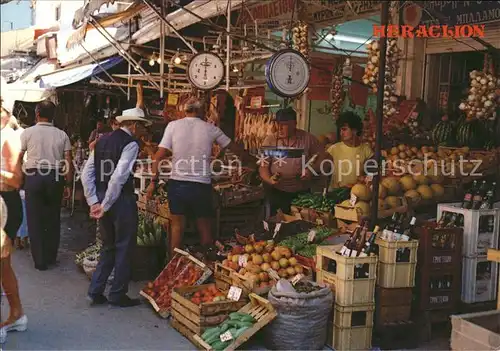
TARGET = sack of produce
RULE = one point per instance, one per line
(303, 312)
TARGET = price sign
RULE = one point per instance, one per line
(276, 229)
(226, 336)
(324, 192)
(297, 279)
(234, 293)
(311, 236)
(242, 261)
(266, 226)
(273, 274)
(173, 99)
(353, 200)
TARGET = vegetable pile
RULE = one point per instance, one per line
(236, 325)
(300, 245)
(207, 295)
(322, 203)
(306, 287)
(91, 253)
(149, 231)
(482, 99)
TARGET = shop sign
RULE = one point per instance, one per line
(273, 14)
(256, 102)
(455, 12)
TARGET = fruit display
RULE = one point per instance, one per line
(337, 91)
(149, 231)
(91, 253)
(183, 270)
(233, 327)
(483, 99)
(471, 133)
(206, 295)
(300, 38)
(253, 262)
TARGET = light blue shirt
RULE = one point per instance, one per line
(118, 178)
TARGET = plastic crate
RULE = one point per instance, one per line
(392, 251)
(353, 279)
(433, 295)
(348, 292)
(479, 280)
(393, 297)
(392, 314)
(432, 255)
(475, 243)
(396, 275)
(351, 328)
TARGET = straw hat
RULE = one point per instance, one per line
(133, 114)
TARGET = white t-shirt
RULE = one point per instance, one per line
(190, 139)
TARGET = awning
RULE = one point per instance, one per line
(69, 76)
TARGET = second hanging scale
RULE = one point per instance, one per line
(287, 72)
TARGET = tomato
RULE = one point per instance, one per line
(197, 294)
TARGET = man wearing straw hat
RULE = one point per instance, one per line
(109, 189)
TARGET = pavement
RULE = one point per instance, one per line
(60, 317)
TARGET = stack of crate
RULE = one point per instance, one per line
(439, 274)
(480, 232)
(353, 281)
(395, 281)
(396, 276)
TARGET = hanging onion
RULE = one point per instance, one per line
(483, 98)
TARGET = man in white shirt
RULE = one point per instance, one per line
(190, 142)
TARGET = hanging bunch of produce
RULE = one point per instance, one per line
(482, 99)
(255, 129)
(300, 38)
(337, 91)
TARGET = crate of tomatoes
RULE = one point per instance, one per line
(182, 271)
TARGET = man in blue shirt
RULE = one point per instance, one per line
(107, 180)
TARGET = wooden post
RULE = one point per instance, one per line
(380, 110)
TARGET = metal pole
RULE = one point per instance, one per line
(228, 49)
(129, 81)
(162, 48)
(164, 20)
(380, 110)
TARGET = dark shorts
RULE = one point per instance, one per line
(14, 212)
(190, 198)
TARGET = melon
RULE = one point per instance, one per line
(392, 185)
(382, 192)
(346, 203)
(362, 192)
(438, 190)
(393, 201)
(442, 132)
(425, 191)
(364, 207)
(413, 196)
(421, 179)
(471, 134)
(408, 183)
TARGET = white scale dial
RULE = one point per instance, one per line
(206, 71)
(288, 73)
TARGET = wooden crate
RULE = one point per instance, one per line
(314, 216)
(392, 314)
(259, 308)
(340, 273)
(396, 336)
(197, 318)
(394, 297)
(393, 305)
(476, 331)
(231, 198)
(164, 293)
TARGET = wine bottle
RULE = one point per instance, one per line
(443, 221)
(398, 228)
(489, 198)
(388, 232)
(467, 202)
(477, 200)
(361, 240)
(370, 243)
(453, 220)
(409, 232)
(348, 245)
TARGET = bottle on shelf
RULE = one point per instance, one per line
(399, 227)
(489, 198)
(445, 218)
(477, 200)
(369, 246)
(388, 232)
(360, 244)
(468, 197)
(453, 220)
(409, 232)
(350, 243)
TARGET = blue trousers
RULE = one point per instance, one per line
(119, 237)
